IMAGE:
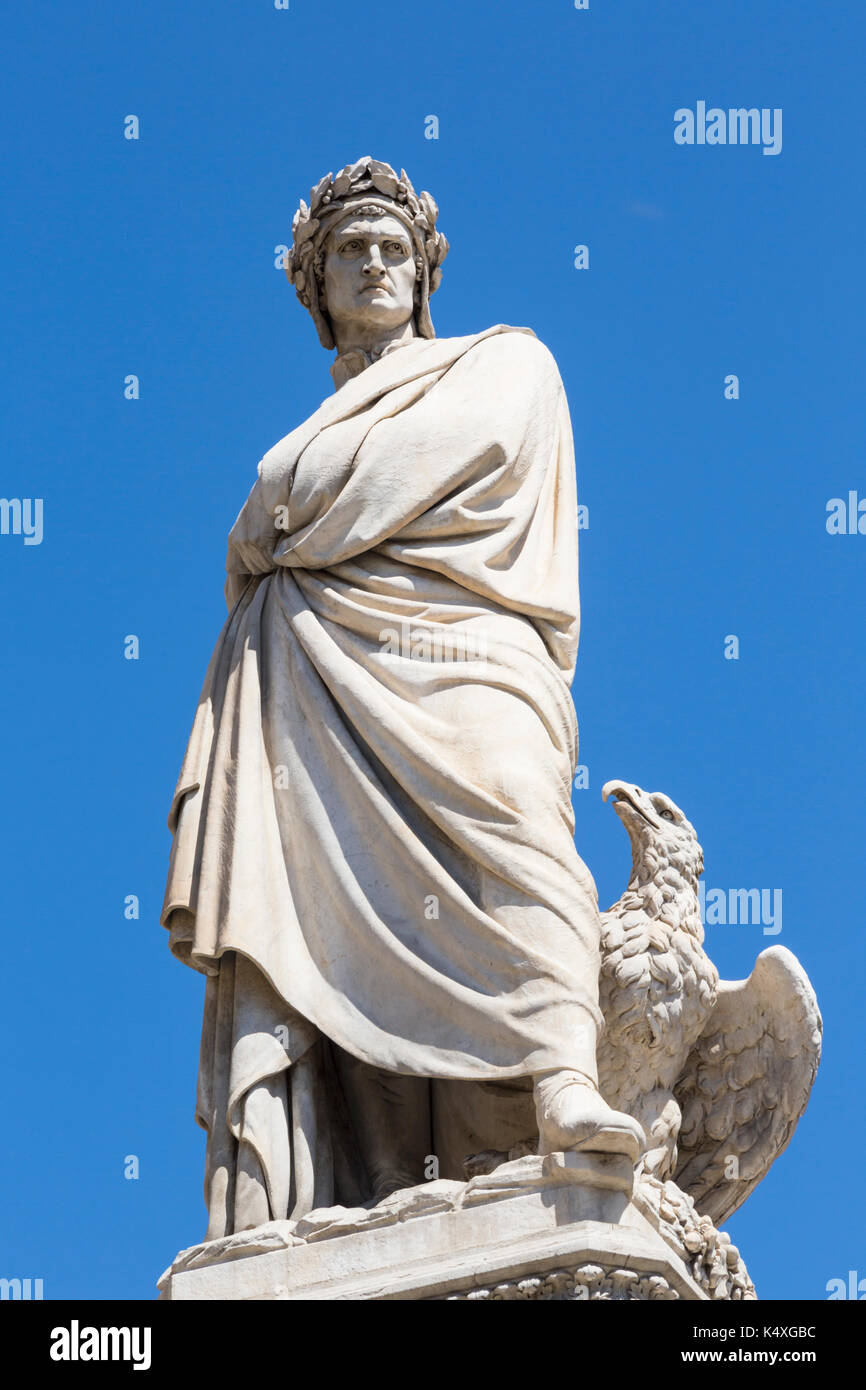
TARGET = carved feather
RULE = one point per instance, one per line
(746, 1082)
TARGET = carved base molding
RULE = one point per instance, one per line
(565, 1227)
(579, 1285)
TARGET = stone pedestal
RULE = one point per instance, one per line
(565, 1226)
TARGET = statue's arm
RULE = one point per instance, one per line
(251, 544)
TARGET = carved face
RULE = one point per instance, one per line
(369, 274)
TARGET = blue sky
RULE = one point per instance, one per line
(707, 516)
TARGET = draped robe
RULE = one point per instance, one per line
(373, 833)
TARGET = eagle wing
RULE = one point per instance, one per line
(746, 1082)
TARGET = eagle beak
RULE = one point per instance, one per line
(630, 804)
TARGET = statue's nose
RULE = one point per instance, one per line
(374, 263)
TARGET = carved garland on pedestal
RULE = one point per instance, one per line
(586, 1282)
(712, 1261)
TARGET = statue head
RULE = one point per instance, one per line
(662, 840)
(367, 251)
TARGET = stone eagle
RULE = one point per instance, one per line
(718, 1072)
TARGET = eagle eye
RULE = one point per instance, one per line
(666, 815)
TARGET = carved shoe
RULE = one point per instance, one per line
(572, 1114)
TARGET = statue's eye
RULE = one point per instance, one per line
(666, 815)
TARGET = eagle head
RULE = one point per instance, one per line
(664, 844)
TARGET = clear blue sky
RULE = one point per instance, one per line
(707, 516)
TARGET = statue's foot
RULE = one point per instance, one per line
(572, 1115)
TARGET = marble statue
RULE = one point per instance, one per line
(373, 857)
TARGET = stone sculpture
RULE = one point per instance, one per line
(373, 859)
(718, 1073)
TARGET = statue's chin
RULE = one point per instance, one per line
(376, 313)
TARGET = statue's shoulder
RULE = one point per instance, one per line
(511, 349)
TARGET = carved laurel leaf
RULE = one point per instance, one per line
(384, 179)
(340, 187)
(321, 188)
(305, 230)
